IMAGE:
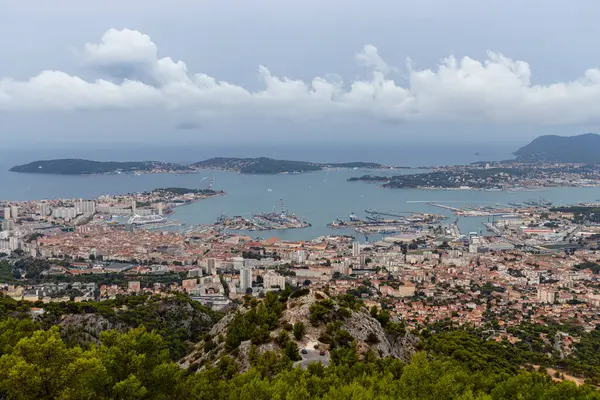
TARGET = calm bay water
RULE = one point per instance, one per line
(318, 197)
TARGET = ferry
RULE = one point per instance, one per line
(146, 219)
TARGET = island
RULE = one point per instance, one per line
(75, 166)
(260, 165)
(265, 165)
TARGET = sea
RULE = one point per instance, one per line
(317, 197)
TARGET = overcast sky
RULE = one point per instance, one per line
(266, 71)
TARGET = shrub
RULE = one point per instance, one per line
(283, 338)
(372, 338)
(299, 293)
(292, 352)
(344, 313)
(208, 346)
(299, 330)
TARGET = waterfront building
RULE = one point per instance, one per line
(6, 212)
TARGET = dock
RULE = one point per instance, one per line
(389, 213)
(445, 207)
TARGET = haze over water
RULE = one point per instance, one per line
(318, 197)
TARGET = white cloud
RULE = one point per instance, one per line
(497, 89)
(369, 56)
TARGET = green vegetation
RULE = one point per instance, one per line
(581, 214)
(87, 167)
(595, 267)
(37, 361)
(177, 319)
(264, 165)
(135, 365)
(299, 330)
(300, 293)
(321, 311)
(6, 272)
(257, 323)
(472, 177)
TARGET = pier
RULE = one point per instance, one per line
(445, 207)
(389, 213)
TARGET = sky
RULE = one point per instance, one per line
(296, 72)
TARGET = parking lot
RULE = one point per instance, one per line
(312, 355)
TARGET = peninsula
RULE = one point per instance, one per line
(508, 175)
(567, 149)
(547, 161)
(260, 165)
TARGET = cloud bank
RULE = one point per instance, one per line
(134, 76)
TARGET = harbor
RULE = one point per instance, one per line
(378, 222)
(262, 221)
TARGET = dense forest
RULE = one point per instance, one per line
(41, 359)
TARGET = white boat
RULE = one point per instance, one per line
(146, 219)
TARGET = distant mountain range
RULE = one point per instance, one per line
(568, 149)
(261, 165)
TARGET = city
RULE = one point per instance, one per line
(299, 200)
(540, 263)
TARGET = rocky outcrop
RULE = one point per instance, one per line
(358, 323)
(86, 328)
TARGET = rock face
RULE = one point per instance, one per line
(359, 324)
(169, 314)
(86, 328)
